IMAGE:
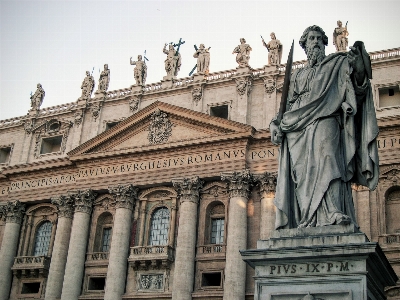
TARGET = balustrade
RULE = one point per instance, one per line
(211, 249)
(97, 256)
(388, 239)
(31, 265)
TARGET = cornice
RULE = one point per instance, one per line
(37, 166)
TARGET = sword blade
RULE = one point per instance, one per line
(286, 83)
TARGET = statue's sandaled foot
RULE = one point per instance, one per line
(343, 220)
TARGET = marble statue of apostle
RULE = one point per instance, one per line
(37, 97)
(203, 59)
(87, 86)
(274, 47)
(340, 39)
(172, 62)
(327, 135)
(243, 53)
(104, 79)
(140, 70)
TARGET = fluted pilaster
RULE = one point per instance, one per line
(189, 194)
(12, 212)
(65, 207)
(267, 182)
(72, 283)
(239, 184)
(125, 196)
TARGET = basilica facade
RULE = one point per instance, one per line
(149, 192)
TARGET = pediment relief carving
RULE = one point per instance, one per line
(391, 174)
(158, 194)
(157, 124)
(42, 210)
(216, 189)
(107, 202)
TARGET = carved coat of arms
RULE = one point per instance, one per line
(160, 128)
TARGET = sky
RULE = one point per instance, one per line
(55, 42)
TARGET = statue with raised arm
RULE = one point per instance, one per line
(340, 39)
(274, 47)
(140, 70)
(242, 53)
(327, 136)
(104, 80)
(87, 86)
(37, 97)
(173, 61)
(203, 59)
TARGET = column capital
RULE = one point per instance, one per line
(267, 182)
(83, 200)
(125, 195)
(12, 211)
(238, 183)
(188, 188)
(65, 206)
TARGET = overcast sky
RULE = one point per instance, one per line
(55, 42)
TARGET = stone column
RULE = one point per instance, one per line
(65, 206)
(77, 246)
(244, 85)
(189, 193)
(13, 213)
(267, 183)
(142, 219)
(235, 268)
(118, 259)
(171, 236)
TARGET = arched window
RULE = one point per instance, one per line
(42, 239)
(217, 224)
(159, 227)
(392, 209)
(103, 236)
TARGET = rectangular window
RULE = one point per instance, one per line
(219, 111)
(105, 246)
(211, 279)
(217, 231)
(389, 96)
(50, 145)
(5, 155)
(97, 283)
(30, 288)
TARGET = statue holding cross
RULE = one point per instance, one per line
(173, 61)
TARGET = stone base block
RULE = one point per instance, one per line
(325, 263)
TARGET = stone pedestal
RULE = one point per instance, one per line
(328, 263)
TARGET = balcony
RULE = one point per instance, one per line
(97, 259)
(389, 240)
(31, 266)
(151, 257)
(211, 251)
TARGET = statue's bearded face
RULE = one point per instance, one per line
(315, 47)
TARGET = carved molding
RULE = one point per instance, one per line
(269, 86)
(134, 103)
(12, 212)
(393, 176)
(197, 94)
(188, 188)
(267, 182)
(160, 128)
(95, 109)
(238, 183)
(125, 195)
(65, 206)
(78, 118)
(48, 129)
(83, 200)
(244, 85)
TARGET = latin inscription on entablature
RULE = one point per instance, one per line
(388, 142)
(310, 268)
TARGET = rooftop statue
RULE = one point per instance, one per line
(274, 47)
(243, 53)
(203, 59)
(340, 39)
(140, 70)
(327, 135)
(104, 80)
(173, 61)
(87, 86)
(37, 97)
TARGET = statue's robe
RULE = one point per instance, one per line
(329, 142)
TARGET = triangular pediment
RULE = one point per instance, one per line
(161, 125)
